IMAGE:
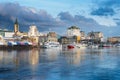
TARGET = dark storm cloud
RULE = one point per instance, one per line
(77, 20)
(117, 19)
(44, 21)
(103, 11)
(26, 16)
(105, 8)
(66, 16)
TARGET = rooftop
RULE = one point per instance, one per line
(4, 30)
(73, 27)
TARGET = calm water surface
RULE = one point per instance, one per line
(48, 64)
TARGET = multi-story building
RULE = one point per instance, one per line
(63, 40)
(97, 36)
(33, 31)
(74, 31)
(33, 34)
(6, 33)
(113, 39)
(52, 36)
(82, 35)
(68, 39)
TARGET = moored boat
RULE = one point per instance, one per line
(55, 45)
(93, 46)
(70, 46)
(76, 45)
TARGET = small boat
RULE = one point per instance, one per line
(76, 45)
(70, 46)
(107, 45)
(81, 46)
(52, 45)
(93, 46)
(117, 45)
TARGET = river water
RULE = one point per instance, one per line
(53, 64)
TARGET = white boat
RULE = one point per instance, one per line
(52, 45)
(77, 45)
(117, 45)
(81, 46)
(93, 46)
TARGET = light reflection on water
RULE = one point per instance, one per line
(54, 64)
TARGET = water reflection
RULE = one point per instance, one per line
(51, 64)
(34, 57)
(52, 54)
(19, 58)
(74, 56)
(6, 59)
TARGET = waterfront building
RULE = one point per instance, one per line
(97, 36)
(63, 40)
(82, 35)
(52, 37)
(9, 34)
(33, 31)
(72, 39)
(74, 31)
(68, 39)
(6, 33)
(113, 39)
(2, 41)
(42, 39)
(33, 34)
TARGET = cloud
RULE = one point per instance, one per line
(117, 19)
(26, 16)
(111, 3)
(77, 20)
(105, 7)
(103, 11)
(43, 20)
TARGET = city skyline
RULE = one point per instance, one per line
(88, 15)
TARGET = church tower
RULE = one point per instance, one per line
(16, 27)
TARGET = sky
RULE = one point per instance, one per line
(54, 15)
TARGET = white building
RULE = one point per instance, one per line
(9, 34)
(73, 31)
(33, 31)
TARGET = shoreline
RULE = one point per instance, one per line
(17, 47)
